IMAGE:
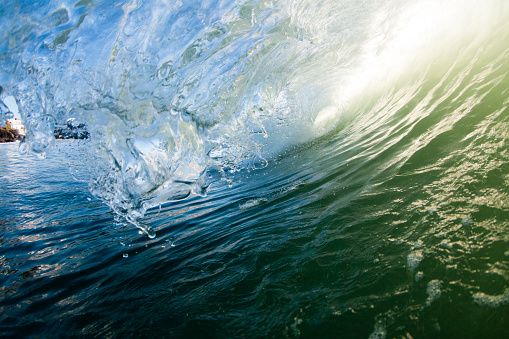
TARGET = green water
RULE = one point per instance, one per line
(310, 169)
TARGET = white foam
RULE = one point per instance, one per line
(252, 203)
(433, 291)
(379, 332)
(492, 300)
(414, 259)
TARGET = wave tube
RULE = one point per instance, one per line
(178, 94)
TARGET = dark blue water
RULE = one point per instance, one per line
(335, 169)
(278, 254)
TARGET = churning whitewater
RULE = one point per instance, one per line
(329, 168)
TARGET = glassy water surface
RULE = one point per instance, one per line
(332, 169)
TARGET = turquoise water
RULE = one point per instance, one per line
(257, 169)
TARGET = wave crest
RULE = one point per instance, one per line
(176, 95)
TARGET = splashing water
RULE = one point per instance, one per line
(177, 95)
(335, 168)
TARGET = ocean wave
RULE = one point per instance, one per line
(178, 95)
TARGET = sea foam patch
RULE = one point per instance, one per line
(484, 299)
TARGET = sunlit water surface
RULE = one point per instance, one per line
(294, 168)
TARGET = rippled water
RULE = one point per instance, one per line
(314, 169)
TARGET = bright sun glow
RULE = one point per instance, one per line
(399, 43)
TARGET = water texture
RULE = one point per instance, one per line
(308, 169)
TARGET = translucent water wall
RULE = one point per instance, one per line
(179, 94)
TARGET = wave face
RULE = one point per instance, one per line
(354, 157)
(179, 94)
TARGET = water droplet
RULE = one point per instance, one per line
(23, 148)
(125, 255)
(151, 233)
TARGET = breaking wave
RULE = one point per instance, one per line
(177, 95)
